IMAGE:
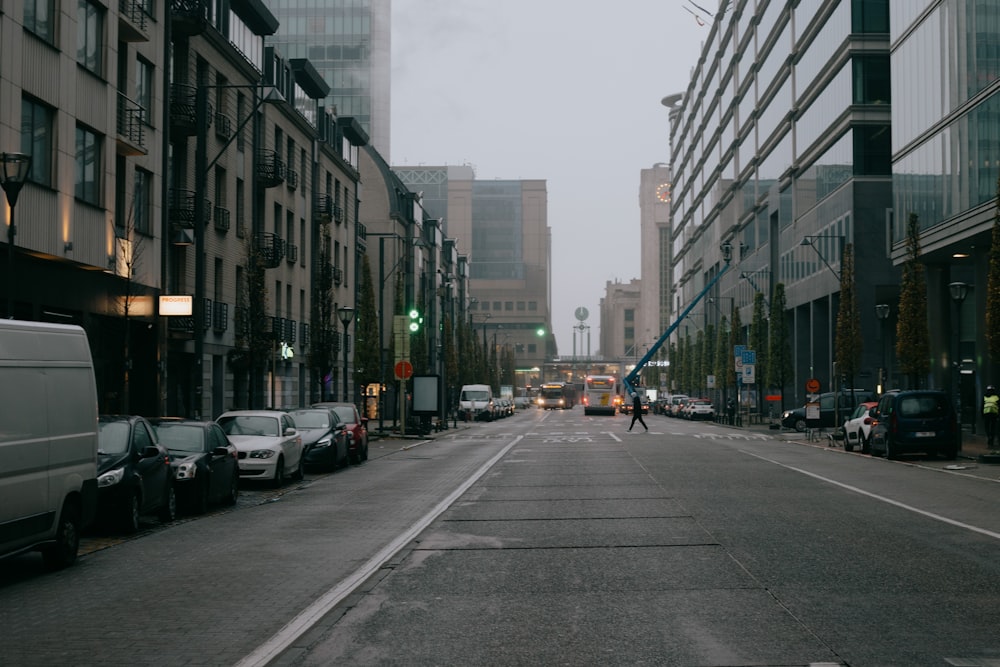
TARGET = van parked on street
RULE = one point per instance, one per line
(476, 401)
(48, 439)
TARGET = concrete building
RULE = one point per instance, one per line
(653, 317)
(618, 317)
(780, 150)
(349, 44)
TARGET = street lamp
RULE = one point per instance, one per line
(16, 167)
(882, 312)
(959, 291)
(811, 242)
(346, 314)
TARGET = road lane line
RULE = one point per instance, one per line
(874, 496)
(308, 617)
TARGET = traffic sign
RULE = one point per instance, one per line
(404, 369)
(812, 386)
(749, 371)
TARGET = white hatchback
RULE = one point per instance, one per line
(857, 427)
(268, 443)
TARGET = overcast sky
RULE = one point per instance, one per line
(568, 92)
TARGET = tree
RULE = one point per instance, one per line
(254, 339)
(723, 357)
(735, 338)
(912, 334)
(993, 289)
(367, 355)
(324, 340)
(848, 322)
(128, 252)
(779, 349)
(758, 343)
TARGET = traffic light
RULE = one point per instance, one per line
(416, 320)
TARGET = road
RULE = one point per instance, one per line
(549, 538)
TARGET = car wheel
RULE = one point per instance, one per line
(63, 552)
(130, 513)
(300, 470)
(866, 443)
(800, 425)
(848, 445)
(364, 451)
(234, 490)
(279, 473)
(169, 510)
(890, 453)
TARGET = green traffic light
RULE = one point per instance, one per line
(415, 320)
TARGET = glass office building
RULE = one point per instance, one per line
(780, 148)
(348, 42)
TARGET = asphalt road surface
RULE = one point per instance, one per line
(549, 538)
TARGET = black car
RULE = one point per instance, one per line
(356, 424)
(326, 439)
(919, 421)
(205, 464)
(133, 473)
(828, 411)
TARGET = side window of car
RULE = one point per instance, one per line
(141, 437)
(216, 438)
(826, 402)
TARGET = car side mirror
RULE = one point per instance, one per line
(290, 431)
(150, 452)
(220, 451)
(873, 413)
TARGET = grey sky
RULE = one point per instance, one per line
(563, 91)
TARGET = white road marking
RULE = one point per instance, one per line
(875, 496)
(309, 616)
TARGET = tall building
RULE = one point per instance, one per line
(781, 153)
(654, 230)
(945, 157)
(348, 42)
(503, 227)
(620, 308)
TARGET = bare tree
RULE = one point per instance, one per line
(128, 250)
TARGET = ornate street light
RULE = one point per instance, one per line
(15, 168)
(346, 314)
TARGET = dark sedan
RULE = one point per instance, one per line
(356, 424)
(204, 462)
(325, 437)
(133, 473)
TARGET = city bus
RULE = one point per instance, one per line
(599, 394)
(553, 396)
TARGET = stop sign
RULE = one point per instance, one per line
(404, 369)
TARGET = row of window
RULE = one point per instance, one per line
(509, 306)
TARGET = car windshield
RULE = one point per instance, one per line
(346, 413)
(250, 425)
(310, 419)
(113, 437)
(922, 406)
(475, 395)
(181, 437)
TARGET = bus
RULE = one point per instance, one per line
(553, 396)
(599, 394)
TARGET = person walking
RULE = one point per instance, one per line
(637, 411)
(991, 410)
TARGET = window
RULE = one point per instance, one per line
(144, 88)
(629, 315)
(39, 18)
(88, 166)
(89, 36)
(508, 305)
(141, 201)
(36, 140)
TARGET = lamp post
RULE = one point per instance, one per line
(959, 291)
(811, 242)
(882, 312)
(346, 314)
(16, 167)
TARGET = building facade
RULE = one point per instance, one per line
(349, 44)
(780, 150)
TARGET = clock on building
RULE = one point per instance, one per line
(663, 192)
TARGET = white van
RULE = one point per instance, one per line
(476, 402)
(48, 439)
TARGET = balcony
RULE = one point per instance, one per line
(291, 253)
(182, 211)
(338, 213)
(182, 110)
(322, 208)
(305, 334)
(223, 126)
(189, 17)
(241, 227)
(132, 21)
(221, 217)
(130, 127)
(338, 276)
(292, 179)
(271, 248)
(220, 317)
(270, 169)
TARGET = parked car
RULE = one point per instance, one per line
(699, 408)
(205, 464)
(858, 426)
(676, 403)
(269, 445)
(325, 437)
(356, 424)
(921, 421)
(133, 473)
(828, 415)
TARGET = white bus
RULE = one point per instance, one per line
(599, 394)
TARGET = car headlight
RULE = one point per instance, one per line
(325, 442)
(111, 477)
(262, 453)
(186, 471)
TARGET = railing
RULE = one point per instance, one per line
(181, 211)
(132, 19)
(291, 253)
(291, 179)
(322, 207)
(220, 316)
(338, 276)
(130, 123)
(270, 168)
(271, 248)
(221, 218)
(223, 126)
